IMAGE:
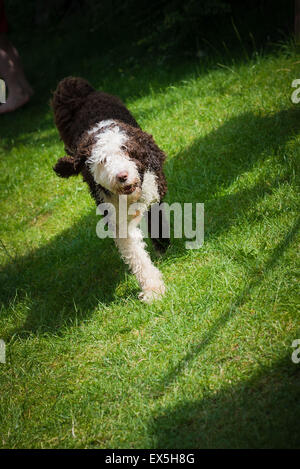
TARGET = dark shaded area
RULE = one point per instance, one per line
(163, 26)
(263, 412)
(131, 48)
(61, 292)
(60, 37)
(216, 160)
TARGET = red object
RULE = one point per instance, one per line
(3, 22)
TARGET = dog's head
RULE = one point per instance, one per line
(104, 152)
(116, 155)
(110, 162)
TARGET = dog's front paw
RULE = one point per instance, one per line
(152, 293)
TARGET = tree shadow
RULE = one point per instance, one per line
(196, 349)
(216, 160)
(211, 164)
(260, 413)
(63, 280)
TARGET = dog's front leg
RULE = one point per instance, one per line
(133, 252)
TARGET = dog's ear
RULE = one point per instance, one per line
(72, 165)
(67, 166)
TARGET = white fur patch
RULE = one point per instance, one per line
(100, 125)
(108, 158)
(108, 143)
(150, 193)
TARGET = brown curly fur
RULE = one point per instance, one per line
(77, 109)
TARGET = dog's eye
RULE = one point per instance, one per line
(123, 148)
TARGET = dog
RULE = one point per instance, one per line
(116, 158)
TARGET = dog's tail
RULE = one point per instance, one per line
(67, 99)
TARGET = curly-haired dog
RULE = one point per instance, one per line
(104, 142)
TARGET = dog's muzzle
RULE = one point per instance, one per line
(129, 189)
(126, 187)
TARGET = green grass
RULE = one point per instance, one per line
(88, 365)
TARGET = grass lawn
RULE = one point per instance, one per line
(209, 366)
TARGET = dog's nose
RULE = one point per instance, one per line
(122, 176)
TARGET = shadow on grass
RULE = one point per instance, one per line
(213, 163)
(64, 280)
(195, 350)
(216, 160)
(260, 413)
